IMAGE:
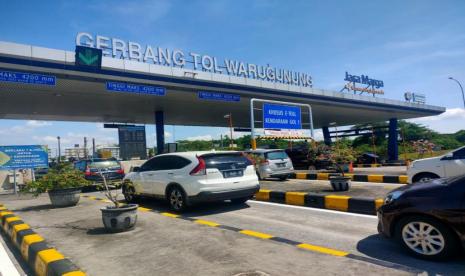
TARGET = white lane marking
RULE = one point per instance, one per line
(6, 265)
(315, 209)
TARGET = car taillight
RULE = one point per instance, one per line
(120, 171)
(201, 168)
(88, 173)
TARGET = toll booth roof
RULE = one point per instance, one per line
(78, 94)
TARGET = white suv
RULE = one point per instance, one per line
(185, 178)
(448, 165)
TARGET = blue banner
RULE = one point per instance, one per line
(281, 117)
(23, 157)
(29, 78)
(135, 88)
(216, 96)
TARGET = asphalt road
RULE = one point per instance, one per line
(165, 245)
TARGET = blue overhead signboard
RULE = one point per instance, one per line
(216, 96)
(135, 88)
(23, 157)
(281, 117)
(23, 77)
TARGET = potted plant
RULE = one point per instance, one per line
(319, 157)
(62, 183)
(341, 156)
(119, 217)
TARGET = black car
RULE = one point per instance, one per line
(93, 168)
(427, 219)
(369, 158)
(301, 159)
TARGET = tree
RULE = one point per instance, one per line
(413, 131)
(460, 136)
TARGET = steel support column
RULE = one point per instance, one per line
(393, 150)
(160, 131)
(326, 136)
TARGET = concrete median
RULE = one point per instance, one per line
(374, 178)
(360, 205)
(41, 258)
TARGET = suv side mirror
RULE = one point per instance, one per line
(448, 156)
(136, 169)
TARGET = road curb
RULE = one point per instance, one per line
(42, 258)
(376, 178)
(360, 205)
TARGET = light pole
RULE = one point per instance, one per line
(461, 88)
(59, 149)
(229, 117)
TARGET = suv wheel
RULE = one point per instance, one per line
(129, 194)
(426, 238)
(425, 177)
(177, 199)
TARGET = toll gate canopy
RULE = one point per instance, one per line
(46, 84)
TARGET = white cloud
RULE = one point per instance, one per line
(450, 121)
(35, 123)
(50, 140)
(28, 127)
(207, 137)
(450, 114)
(19, 129)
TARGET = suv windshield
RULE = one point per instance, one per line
(276, 155)
(104, 164)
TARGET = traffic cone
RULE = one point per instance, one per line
(351, 167)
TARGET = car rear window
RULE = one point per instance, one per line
(226, 161)
(104, 164)
(276, 155)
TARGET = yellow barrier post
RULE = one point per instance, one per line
(253, 143)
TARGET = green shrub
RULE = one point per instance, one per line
(62, 176)
(341, 155)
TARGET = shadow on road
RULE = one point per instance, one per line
(200, 209)
(378, 247)
(98, 231)
(35, 208)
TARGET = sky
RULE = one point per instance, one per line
(410, 45)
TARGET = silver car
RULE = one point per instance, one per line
(272, 163)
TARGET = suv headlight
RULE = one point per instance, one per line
(392, 196)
